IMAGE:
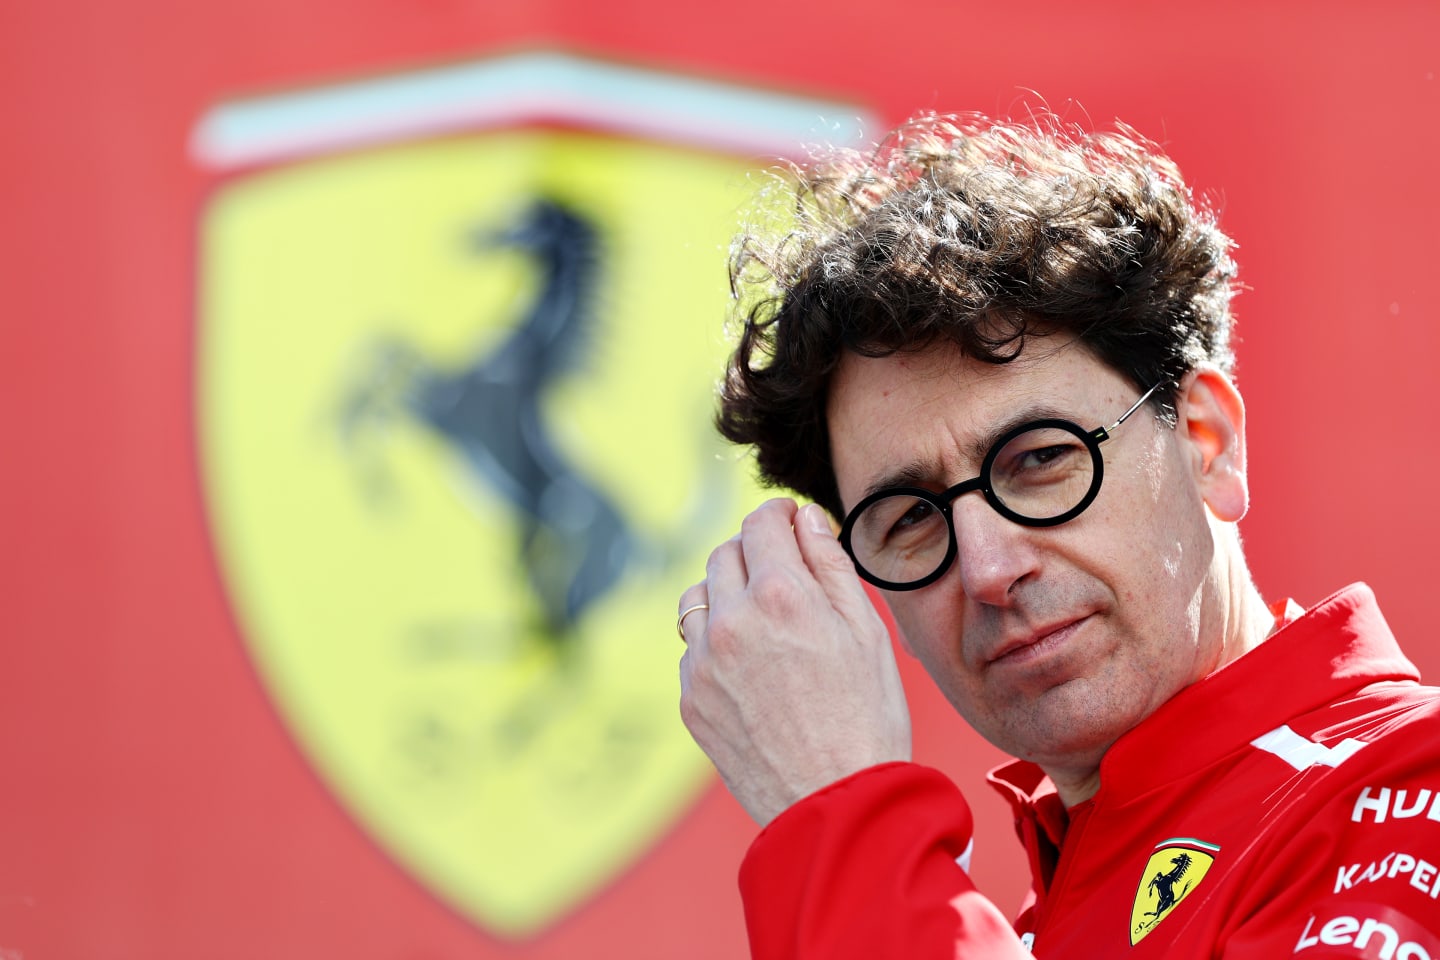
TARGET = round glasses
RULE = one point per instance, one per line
(1039, 474)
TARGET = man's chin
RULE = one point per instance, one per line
(1053, 736)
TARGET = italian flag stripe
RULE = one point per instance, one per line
(1188, 842)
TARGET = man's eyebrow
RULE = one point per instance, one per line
(919, 473)
(1038, 411)
(916, 473)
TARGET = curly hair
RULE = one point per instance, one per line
(979, 233)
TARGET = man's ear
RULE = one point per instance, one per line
(1212, 417)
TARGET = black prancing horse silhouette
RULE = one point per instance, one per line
(1165, 884)
(574, 542)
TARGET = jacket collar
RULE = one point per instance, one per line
(1339, 645)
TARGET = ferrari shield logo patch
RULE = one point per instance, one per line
(1175, 869)
(454, 403)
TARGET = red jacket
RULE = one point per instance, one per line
(1287, 804)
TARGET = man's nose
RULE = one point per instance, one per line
(993, 554)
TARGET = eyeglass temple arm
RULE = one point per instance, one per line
(1101, 434)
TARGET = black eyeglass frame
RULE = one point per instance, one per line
(943, 501)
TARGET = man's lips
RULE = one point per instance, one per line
(1037, 643)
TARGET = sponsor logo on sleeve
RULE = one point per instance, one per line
(1174, 870)
(1371, 930)
(1416, 871)
(1378, 804)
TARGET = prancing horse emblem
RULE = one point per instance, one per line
(575, 543)
(1165, 884)
(1175, 869)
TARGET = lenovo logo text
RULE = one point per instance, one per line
(1359, 934)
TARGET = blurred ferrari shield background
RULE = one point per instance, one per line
(455, 404)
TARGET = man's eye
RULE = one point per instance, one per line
(1038, 456)
(1044, 456)
(898, 522)
(919, 512)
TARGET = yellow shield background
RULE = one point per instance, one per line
(377, 580)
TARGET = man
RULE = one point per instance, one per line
(1001, 356)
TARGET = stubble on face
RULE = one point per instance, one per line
(1137, 569)
(1123, 583)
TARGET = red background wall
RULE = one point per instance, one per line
(151, 802)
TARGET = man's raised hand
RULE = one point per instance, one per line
(788, 681)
